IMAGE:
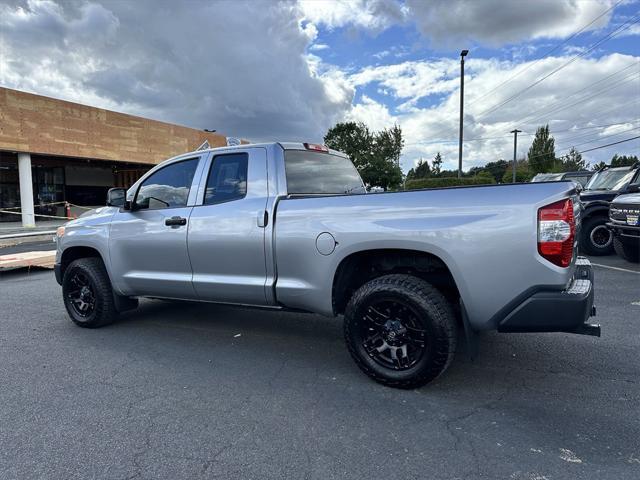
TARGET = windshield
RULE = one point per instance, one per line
(610, 180)
(320, 173)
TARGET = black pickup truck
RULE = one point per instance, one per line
(624, 216)
(606, 184)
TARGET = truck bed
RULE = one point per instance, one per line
(486, 235)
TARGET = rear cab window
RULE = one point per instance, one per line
(319, 173)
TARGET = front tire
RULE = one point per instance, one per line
(88, 296)
(596, 238)
(400, 330)
(627, 250)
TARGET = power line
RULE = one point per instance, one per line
(600, 138)
(477, 139)
(547, 53)
(557, 108)
(618, 30)
(609, 144)
(580, 137)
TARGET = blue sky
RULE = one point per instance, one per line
(351, 49)
(289, 70)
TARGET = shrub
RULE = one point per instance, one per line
(440, 182)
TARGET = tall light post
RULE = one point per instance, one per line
(463, 54)
(515, 146)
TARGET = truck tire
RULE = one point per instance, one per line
(400, 331)
(596, 238)
(87, 293)
(628, 250)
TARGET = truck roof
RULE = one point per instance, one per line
(283, 145)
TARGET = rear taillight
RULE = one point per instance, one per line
(556, 232)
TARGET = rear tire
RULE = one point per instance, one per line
(400, 331)
(87, 293)
(596, 238)
(628, 250)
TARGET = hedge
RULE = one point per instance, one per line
(440, 182)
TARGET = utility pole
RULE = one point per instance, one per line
(463, 54)
(515, 146)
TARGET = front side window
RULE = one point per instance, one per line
(168, 187)
(227, 179)
(320, 173)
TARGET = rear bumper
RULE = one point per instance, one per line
(557, 311)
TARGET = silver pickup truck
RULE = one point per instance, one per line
(290, 226)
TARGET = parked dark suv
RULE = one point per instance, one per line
(605, 185)
(624, 214)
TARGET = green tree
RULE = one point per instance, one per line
(542, 152)
(421, 170)
(375, 155)
(572, 162)
(623, 160)
(497, 169)
(523, 173)
(598, 166)
(436, 164)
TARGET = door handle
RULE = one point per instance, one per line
(175, 221)
(263, 218)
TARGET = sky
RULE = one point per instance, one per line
(289, 70)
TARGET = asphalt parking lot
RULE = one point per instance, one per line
(202, 391)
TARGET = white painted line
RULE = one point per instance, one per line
(615, 268)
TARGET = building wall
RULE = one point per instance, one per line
(43, 125)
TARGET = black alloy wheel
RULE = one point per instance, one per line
(400, 330)
(87, 293)
(81, 294)
(392, 334)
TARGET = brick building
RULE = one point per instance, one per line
(52, 151)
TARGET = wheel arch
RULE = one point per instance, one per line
(74, 253)
(601, 209)
(361, 266)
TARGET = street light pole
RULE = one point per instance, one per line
(515, 146)
(463, 54)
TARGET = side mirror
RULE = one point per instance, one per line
(633, 188)
(116, 197)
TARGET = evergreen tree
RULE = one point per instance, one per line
(421, 170)
(542, 153)
(436, 164)
(623, 160)
(572, 162)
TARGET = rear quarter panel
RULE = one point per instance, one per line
(487, 236)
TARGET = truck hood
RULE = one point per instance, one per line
(93, 217)
(629, 198)
(587, 196)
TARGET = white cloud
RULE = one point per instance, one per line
(375, 115)
(451, 23)
(203, 65)
(428, 130)
(206, 66)
(374, 15)
(318, 46)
